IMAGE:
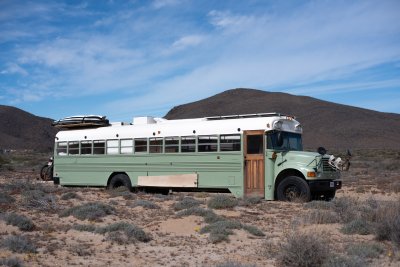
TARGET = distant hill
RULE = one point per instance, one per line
(22, 130)
(327, 124)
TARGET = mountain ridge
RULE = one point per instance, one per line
(325, 123)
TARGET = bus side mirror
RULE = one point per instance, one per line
(279, 139)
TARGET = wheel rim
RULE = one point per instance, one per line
(292, 192)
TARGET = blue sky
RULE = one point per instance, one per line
(132, 58)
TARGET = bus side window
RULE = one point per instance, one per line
(171, 144)
(126, 146)
(188, 144)
(62, 148)
(156, 145)
(208, 143)
(99, 147)
(73, 148)
(86, 147)
(230, 142)
(141, 145)
(112, 146)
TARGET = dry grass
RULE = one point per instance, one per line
(303, 250)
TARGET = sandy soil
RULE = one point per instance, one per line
(177, 241)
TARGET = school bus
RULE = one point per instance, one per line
(248, 155)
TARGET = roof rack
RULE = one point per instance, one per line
(82, 121)
(255, 115)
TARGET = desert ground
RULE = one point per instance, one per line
(46, 225)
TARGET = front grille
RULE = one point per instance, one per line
(326, 167)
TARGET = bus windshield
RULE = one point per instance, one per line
(291, 141)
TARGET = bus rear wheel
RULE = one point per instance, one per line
(119, 180)
(293, 188)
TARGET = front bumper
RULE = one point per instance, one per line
(324, 185)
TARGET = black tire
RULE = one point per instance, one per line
(293, 188)
(120, 180)
(43, 171)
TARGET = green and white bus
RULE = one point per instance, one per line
(247, 155)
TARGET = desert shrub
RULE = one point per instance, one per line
(208, 215)
(387, 224)
(366, 250)
(145, 204)
(84, 227)
(253, 230)
(118, 237)
(220, 230)
(346, 208)
(162, 197)
(344, 261)
(322, 216)
(121, 191)
(5, 198)
(186, 203)
(357, 226)
(24, 185)
(132, 232)
(20, 221)
(70, 195)
(89, 211)
(18, 244)
(303, 249)
(250, 201)
(44, 203)
(80, 250)
(233, 264)
(221, 226)
(318, 204)
(222, 202)
(11, 262)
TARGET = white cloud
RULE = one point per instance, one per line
(13, 68)
(164, 3)
(189, 40)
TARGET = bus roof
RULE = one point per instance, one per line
(147, 127)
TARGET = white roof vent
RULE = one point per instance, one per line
(143, 120)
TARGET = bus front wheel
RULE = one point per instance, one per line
(118, 180)
(293, 188)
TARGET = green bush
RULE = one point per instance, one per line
(357, 226)
(303, 250)
(18, 244)
(253, 230)
(11, 262)
(250, 201)
(20, 221)
(145, 204)
(84, 227)
(222, 202)
(186, 203)
(344, 261)
(366, 250)
(70, 195)
(5, 198)
(131, 231)
(208, 215)
(220, 230)
(89, 211)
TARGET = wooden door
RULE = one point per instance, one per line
(254, 182)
